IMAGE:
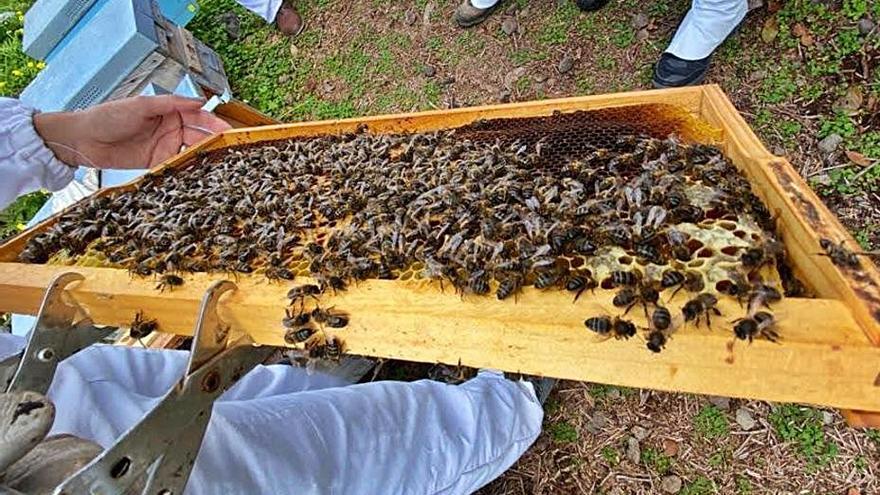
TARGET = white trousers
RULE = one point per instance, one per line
(280, 430)
(263, 8)
(705, 26)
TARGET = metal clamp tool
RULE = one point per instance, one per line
(160, 450)
(156, 455)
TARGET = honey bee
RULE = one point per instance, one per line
(579, 282)
(333, 319)
(760, 323)
(140, 327)
(755, 257)
(606, 326)
(620, 278)
(294, 321)
(510, 285)
(661, 318)
(300, 293)
(479, 283)
(656, 340)
(702, 304)
(763, 294)
(298, 336)
(839, 254)
(168, 281)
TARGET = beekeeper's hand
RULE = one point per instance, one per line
(134, 132)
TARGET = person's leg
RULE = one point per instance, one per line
(281, 12)
(704, 28)
(268, 435)
(472, 12)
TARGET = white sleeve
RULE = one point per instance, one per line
(26, 164)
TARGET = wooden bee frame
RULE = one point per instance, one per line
(829, 354)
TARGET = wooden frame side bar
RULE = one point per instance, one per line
(825, 358)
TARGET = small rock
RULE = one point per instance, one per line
(613, 394)
(232, 24)
(827, 417)
(830, 143)
(429, 71)
(633, 451)
(565, 66)
(639, 432)
(755, 4)
(514, 76)
(410, 18)
(866, 26)
(744, 419)
(509, 26)
(283, 78)
(822, 179)
(446, 81)
(539, 78)
(639, 21)
(670, 447)
(642, 35)
(778, 150)
(328, 87)
(670, 484)
(597, 423)
(504, 96)
(722, 403)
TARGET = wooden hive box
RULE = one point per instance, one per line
(829, 354)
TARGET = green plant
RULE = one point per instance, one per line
(803, 426)
(874, 435)
(17, 70)
(719, 458)
(860, 463)
(656, 460)
(855, 9)
(701, 485)
(778, 86)
(610, 455)
(848, 41)
(17, 214)
(563, 432)
(743, 486)
(710, 422)
(622, 35)
(840, 124)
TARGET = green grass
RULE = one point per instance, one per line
(563, 432)
(874, 435)
(711, 423)
(656, 460)
(803, 427)
(17, 70)
(610, 455)
(701, 485)
(743, 486)
(555, 30)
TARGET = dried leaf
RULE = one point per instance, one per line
(773, 6)
(854, 98)
(853, 491)
(770, 30)
(858, 158)
(670, 447)
(798, 30)
(807, 40)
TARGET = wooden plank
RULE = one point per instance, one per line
(825, 358)
(687, 98)
(240, 114)
(803, 217)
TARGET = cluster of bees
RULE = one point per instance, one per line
(478, 216)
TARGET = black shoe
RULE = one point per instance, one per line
(590, 5)
(674, 72)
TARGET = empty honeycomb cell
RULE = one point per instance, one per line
(723, 286)
(625, 260)
(740, 233)
(696, 263)
(726, 225)
(607, 283)
(705, 253)
(576, 262)
(694, 245)
(730, 250)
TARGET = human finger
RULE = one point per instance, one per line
(162, 105)
(198, 125)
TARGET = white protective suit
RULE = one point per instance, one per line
(706, 25)
(280, 430)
